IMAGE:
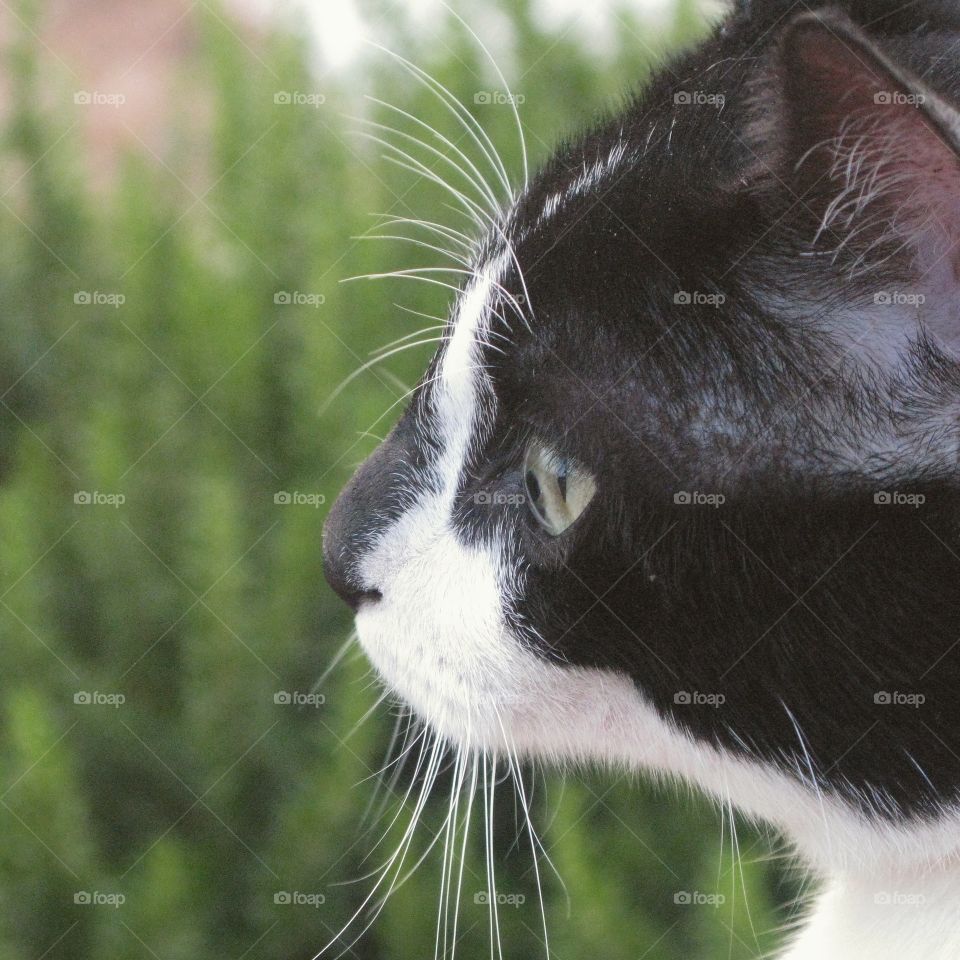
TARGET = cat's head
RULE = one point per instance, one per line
(680, 487)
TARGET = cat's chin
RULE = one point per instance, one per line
(471, 701)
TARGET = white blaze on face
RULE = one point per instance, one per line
(439, 635)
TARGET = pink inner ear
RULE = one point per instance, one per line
(869, 159)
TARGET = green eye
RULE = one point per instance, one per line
(558, 489)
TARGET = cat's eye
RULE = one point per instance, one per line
(558, 489)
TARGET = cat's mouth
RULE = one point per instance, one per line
(456, 679)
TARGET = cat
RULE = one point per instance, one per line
(681, 487)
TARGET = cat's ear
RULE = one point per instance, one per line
(865, 154)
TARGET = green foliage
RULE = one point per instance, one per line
(198, 598)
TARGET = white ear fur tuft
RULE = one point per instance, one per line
(870, 155)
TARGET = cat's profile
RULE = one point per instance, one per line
(681, 487)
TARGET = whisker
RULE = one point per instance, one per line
(472, 792)
(506, 87)
(446, 872)
(335, 661)
(488, 801)
(401, 275)
(479, 178)
(517, 774)
(367, 714)
(389, 788)
(456, 236)
(476, 180)
(471, 208)
(417, 333)
(424, 748)
(397, 858)
(413, 272)
(419, 243)
(418, 313)
(470, 124)
(372, 363)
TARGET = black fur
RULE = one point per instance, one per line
(801, 600)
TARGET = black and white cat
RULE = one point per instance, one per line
(681, 487)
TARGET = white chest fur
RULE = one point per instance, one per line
(895, 916)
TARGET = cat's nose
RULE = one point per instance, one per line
(362, 510)
(346, 588)
(340, 557)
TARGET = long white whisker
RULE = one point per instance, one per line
(478, 214)
(406, 160)
(511, 250)
(451, 233)
(418, 243)
(475, 180)
(413, 272)
(419, 313)
(517, 774)
(738, 865)
(407, 834)
(488, 801)
(410, 336)
(398, 857)
(390, 761)
(372, 363)
(409, 392)
(402, 275)
(506, 87)
(407, 747)
(470, 125)
(366, 715)
(449, 848)
(474, 773)
(335, 661)
(421, 759)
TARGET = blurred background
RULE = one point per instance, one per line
(184, 762)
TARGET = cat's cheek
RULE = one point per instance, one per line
(438, 635)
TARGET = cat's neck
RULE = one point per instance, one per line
(884, 916)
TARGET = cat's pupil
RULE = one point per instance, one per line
(562, 482)
(533, 486)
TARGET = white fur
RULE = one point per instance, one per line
(892, 916)
(441, 637)
(584, 183)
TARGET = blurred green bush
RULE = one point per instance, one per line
(171, 346)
